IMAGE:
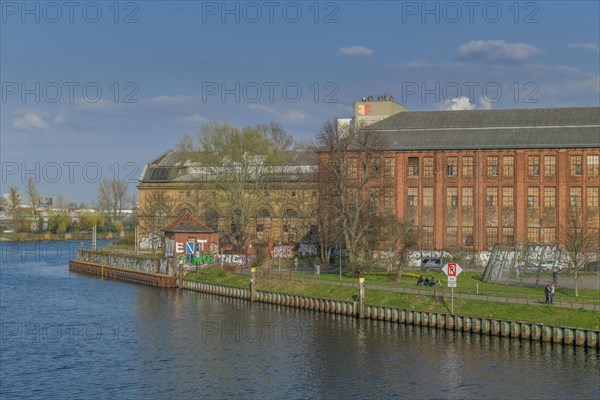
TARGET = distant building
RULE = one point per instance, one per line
(465, 179)
(286, 216)
(479, 177)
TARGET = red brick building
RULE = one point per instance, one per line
(479, 177)
(189, 229)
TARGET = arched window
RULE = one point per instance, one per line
(290, 225)
(263, 225)
(211, 219)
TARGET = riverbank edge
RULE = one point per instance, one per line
(589, 338)
(583, 337)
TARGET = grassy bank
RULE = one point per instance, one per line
(38, 237)
(532, 313)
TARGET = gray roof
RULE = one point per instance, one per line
(534, 128)
(174, 166)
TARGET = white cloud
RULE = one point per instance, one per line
(29, 121)
(498, 51)
(193, 119)
(464, 103)
(170, 100)
(459, 103)
(356, 51)
(61, 117)
(485, 103)
(585, 46)
(101, 104)
(294, 116)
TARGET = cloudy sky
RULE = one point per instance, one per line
(95, 90)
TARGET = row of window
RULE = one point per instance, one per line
(504, 164)
(535, 234)
(427, 239)
(389, 167)
(508, 196)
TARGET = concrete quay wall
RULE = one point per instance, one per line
(589, 338)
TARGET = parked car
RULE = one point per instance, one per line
(544, 266)
(432, 264)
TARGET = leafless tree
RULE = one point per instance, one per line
(111, 197)
(328, 230)
(237, 163)
(277, 135)
(156, 211)
(399, 237)
(349, 170)
(14, 203)
(34, 199)
(61, 202)
(579, 241)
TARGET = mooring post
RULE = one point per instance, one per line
(180, 272)
(253, 284)
(361, 297)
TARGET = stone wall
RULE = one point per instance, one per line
(144, 263)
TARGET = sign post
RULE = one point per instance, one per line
(452, 270)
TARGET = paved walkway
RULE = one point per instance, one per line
(507, 297)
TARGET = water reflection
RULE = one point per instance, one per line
(167, 343)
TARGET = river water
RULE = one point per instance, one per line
(72, 336)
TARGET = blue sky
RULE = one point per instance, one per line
(99, 89)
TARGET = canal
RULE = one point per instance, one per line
(71, 336)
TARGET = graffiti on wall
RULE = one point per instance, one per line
(307, 249)
(169, 247)
(234, 259)
(283, 251)
(202, 259)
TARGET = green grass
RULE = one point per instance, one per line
(547, 315)
(471, 283)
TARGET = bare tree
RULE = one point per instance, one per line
(238, 164)
(103, 200)
(156, 211)
(61, 201)
(34, 199)
(14, 204)
(399, 237)
(278, 136)
(580, 241)
(328, 230)
(349, 170)
(111, 197)
(119, 197)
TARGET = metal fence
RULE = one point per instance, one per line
(503, 296)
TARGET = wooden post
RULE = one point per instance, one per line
(361, 297)
(180, 277)
(253, 284)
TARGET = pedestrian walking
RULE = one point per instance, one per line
(547, 291)
(552, 287)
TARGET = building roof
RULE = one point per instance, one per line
(187, 222)
(534, 128)
(174, 166)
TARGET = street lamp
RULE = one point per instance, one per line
(279, 257)
(248, 253)
(340, 259)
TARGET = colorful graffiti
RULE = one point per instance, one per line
(283, 251)
(307, 249)
(202, 259)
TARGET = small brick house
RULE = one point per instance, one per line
(185, 229)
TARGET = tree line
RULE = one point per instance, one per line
(31, 214)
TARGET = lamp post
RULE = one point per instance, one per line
(248, 253)
(279, 257)
(340, 259)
